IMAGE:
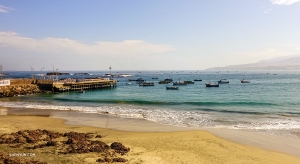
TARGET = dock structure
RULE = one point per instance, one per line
(83, 84)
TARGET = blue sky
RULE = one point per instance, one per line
(145, 35)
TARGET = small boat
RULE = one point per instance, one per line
(146, 84)
(189, 82)
(80, 91)
(166, 81)
(179, 83)
(197, 79)
(154, 77)
(245, 81)
(140, 80)
(128, 83)
(223, 81)
(172, 88)
(211, 85)
(132, 79)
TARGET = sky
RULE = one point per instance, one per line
(145, 34)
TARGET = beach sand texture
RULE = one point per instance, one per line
(146, 147)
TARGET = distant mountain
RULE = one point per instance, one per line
(291, 63)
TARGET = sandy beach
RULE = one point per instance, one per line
(150, 142)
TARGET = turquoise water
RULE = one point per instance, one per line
(270, 102)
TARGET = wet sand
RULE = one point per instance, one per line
(155, 143)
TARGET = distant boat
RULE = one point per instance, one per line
(128, 83)
(154, 77)
(172, 88)
(245, 81)
(130, 79)
(140, 80)
(223, 81)
(189, 82)
(197, 79)
(146, 84)
(166, 81)
(57, 73)
(179, 83)
(211, 85)
(82, 74)
(80, 91)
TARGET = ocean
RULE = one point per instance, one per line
(270, 103)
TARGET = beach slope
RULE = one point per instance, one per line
(145, 147)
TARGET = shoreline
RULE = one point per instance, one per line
(276, 143)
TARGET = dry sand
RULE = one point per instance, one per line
(147, 147)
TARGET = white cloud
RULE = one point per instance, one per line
(69, 46)
(284, 2)
(4, 9)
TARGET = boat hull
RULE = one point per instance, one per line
(172, 88)
(212, 85)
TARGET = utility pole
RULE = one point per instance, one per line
(1, 72)
(52, 73)
(110, 72)
(41, 72)
(32, 71)
(56, 74)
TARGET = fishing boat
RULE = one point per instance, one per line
(197, 79)
(146, 84)
(211, 85)
(223, 81)
(189, 82)
(245, 81)
(140, 80)
(179, 83)
(166, 81)
(172, 88)
(80, 91)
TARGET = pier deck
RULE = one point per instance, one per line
(85, 84)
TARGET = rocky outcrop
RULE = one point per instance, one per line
(16, 90)
(64, 144)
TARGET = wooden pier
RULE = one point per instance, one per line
(74, 85)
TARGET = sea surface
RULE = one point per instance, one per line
(269, 103)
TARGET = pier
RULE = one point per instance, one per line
(62, 86)
(15, 87)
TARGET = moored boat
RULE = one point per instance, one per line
(189, 82)
(245, 81)
(147, 84)
(211, 85)
(197, 79)
(166, 81)
(172, 88)
(179, 83)
(140, 80)
(223, 81)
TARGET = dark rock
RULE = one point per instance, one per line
(119, 159)
(119, 148)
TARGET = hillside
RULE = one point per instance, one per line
(291, 63)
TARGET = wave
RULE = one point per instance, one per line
(145, 102)
(211, 118)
